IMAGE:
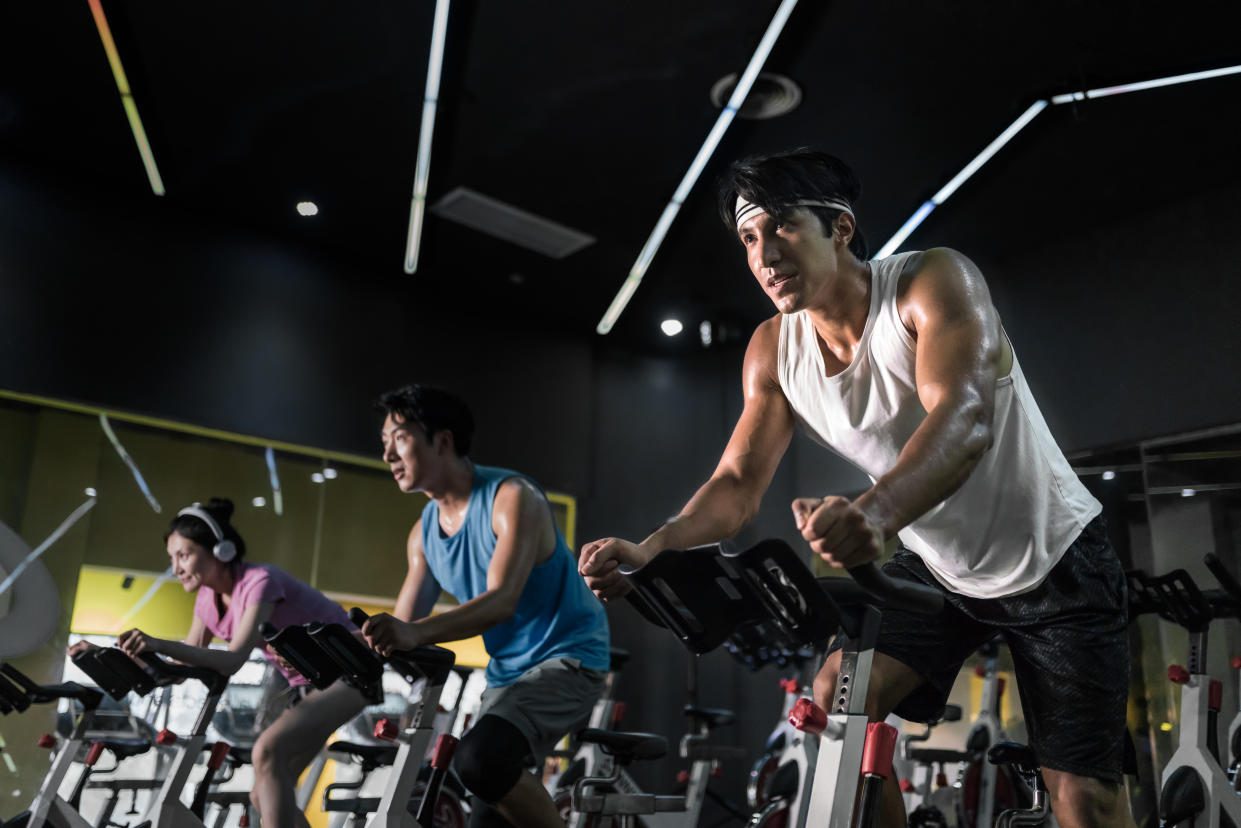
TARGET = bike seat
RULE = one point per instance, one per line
(626, 746)
(124, 748)
(712, 716)
(940, 755)
(376, 755)
(1012, 753)
(239, 755)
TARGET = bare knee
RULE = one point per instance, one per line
(889, 682)
(1086, 802)
(266, 756)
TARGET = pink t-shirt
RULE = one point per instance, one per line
(296, 603)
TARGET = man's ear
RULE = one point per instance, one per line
(844, 228)
(443, 441)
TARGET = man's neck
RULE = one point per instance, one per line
(455, 484)
(840, 311)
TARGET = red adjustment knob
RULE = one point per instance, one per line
(165, 737)
(907, 786)
(1215, 696)
(618, 712)
(941, 780)
(1236, 662)
(808, 717)
(790, 685)
(980, 670)
(1178, 674)
(386, 729)
(682, 777)
(444, 747)
(880, 745)
(218, 751)
(92, 755)
(47, 740)
(244, 822)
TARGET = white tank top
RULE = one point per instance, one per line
(1020, 508)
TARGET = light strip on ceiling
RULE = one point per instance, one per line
(742, 89)
(1105, 91)
(422, 171)
(127, 98)
(948, 189)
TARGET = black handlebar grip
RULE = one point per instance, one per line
(268, 630)
(908, 595)
(358, 617)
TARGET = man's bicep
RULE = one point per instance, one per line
(959, 341)
(522, 521)
(765, 427)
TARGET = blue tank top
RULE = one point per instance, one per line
(557, 616)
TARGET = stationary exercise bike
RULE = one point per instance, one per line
(324, 653)
(707, 594)
(1198, 789)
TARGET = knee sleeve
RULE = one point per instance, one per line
(491, 758)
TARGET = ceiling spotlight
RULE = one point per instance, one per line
(316, 477)
(1109, 475)
(307, 208)
(90, 491)
(1188, 493)
(704, 333)
(259, 502)
(671, 327)
(329, 473)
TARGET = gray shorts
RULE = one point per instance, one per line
(546, 701)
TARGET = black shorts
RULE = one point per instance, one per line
(1069, 642)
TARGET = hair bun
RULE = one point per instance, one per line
(221, 508)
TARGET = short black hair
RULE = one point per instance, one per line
(774, 181)
(196, 529)
(434, 410)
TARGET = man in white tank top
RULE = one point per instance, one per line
(901, 366)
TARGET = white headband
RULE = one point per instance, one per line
(746, 210)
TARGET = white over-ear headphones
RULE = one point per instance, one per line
(224, 550)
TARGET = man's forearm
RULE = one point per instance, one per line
(467, 620)
(718, 510)
(936, 461)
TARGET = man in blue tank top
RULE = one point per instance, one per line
(488, 538)
(901, 365)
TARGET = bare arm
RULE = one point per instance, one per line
(525, 537)
(420, 589)
(245, 638)
(960, 354)
(731, 497)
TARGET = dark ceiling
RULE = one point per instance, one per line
(588, 113)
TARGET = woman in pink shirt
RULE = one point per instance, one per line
(233, 598)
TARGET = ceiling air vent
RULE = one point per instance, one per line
(770, 96)
(513, 224)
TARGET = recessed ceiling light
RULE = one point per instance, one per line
(1188, 493)
(259, 502)
(671, 327)
(704, 332)
(307, 208)
(329, 473)
(90, 492)
(771, 96)
(316, 477)
(1109, 475)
